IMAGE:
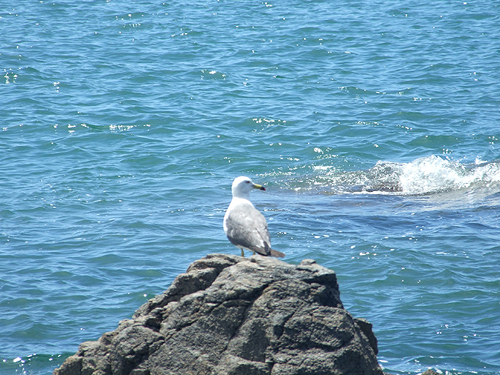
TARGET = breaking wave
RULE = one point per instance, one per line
(423, 176)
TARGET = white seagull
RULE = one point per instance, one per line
(244, 225)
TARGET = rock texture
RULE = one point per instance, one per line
(234, 315)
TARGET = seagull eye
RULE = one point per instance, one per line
(247, 182)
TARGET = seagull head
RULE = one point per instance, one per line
(243, 185)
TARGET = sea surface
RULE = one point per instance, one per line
(374, 125)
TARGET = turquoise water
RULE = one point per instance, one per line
(373, 124)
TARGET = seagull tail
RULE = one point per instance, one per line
(276, 253)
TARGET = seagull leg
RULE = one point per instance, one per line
(242, 253)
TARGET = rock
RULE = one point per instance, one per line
(430, 372)
(233, 315)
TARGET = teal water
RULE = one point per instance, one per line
(373, 124)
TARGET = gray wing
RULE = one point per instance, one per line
(247, 227)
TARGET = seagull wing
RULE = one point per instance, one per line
(247, 227)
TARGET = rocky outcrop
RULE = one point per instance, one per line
(234, 315)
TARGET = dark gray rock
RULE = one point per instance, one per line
(233, 315)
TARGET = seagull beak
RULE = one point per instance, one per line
(260, 187)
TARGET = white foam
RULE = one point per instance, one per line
(424, 176)
(434, 174)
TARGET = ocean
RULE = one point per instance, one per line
(373, 124)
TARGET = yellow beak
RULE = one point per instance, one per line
(260, 187)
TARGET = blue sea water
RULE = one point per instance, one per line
(374, 125)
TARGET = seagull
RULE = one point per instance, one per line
(244, 225)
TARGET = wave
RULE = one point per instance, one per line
(433, 174)
(424, 176)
